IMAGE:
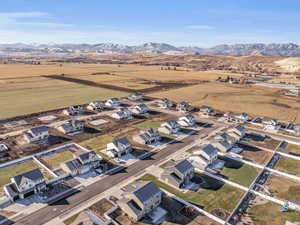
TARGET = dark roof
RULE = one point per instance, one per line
(37, 130)
(143, 190)
(209, 149)
(122, 141)
(73, 164)
(183, 166)
(34, 175)
(84, 156)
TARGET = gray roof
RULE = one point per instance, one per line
(240, 128)
(184, 166)
(73, 164)
(210, 150)
(143, 190)
(122, 141)
(41, 129)
(34, 175)
(84, 156)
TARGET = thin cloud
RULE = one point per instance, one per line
(19, 15)
(199, 27)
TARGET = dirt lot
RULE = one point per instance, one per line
(255, 154)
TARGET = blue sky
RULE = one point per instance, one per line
(192, 22)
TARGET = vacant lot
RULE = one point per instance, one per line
(237, 98)
(213, 195)
(288, 165)
(56, 159)
(293, 149)
(269, 213)
(284, 188)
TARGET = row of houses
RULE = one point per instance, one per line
(125, 113)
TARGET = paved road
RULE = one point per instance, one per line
(52, 211)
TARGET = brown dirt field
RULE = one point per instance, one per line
(256, 155)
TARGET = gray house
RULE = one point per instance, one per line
(83, 162)
(37, 134)
(165, 103)
(95, 106)
(25, 184)
(118, 148)
(140, 109)
(169, 127)
(141, 198)
(136, 97)
(71, 126)
(113, 102)
(206, 110)
(178, 173)
(184, 107)
(187, 120)
(148, 136)
(73, 110)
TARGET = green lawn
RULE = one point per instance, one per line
(29, 100)
(97, 143)
(71, 219)
(293, 148)
(7, 173)
(214, 193)
(148, 124)
(269, 214)
(288, 165)
(240, 173)
(55, 160)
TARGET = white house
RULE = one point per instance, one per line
(3, 148)
(71, 126)
(222, 145)
(95, 106)
(184, 107)
(136, 97)
(118, 148)
(187, 121)
(36, 134)
(205, 156)
(165, 103)
(206, 111)
(25, 184)
(237, 117)
(122, 114)
(113, 102)
(140, 109)
(148, 136)
(169, 127)
(73, 110)
(239, 130)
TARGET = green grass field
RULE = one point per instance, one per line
(216, 195)
(55, 160)
(148, 124)
(242, 174)
(269, 214)
(23, 100)
(7, 173)
(288, 165)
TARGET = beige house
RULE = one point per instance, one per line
(139, 199)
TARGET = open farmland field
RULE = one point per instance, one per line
(237, 98)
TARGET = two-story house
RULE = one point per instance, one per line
(139, 199)
(122, 114)
(113, 102)
(165, 103)
(95, 106)
(187, 120)
(83, 162)
(71, 126)
(37, 134)
(184, 107)
(178, 173)
(148, 136)
(205, 156)
(169, 127)
(206, 111)
(237, 117)
(25, 184)
(136, 97)
(118, 148)
(140, 109)
(74, 110)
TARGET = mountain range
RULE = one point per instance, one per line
(288, 49)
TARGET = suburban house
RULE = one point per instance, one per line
(140, 199)
(204, 157)
(178, 173)
(73, 110)
(95, 106)
(71, 126)
(37, 134)
(118, 148)
(83, 162)
(187, 121)
(206, 110)
(222, 145)
(122, 114)
(113, 102)
(148, 136)
(136, 97)
(184, 107)
(238, 130)
(165, 103)
(3, 148)
(169, 127)
(237, 117)
(270, 123)
(140, 109)
(25, 184)
(296, 128)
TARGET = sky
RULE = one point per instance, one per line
(200, 23)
